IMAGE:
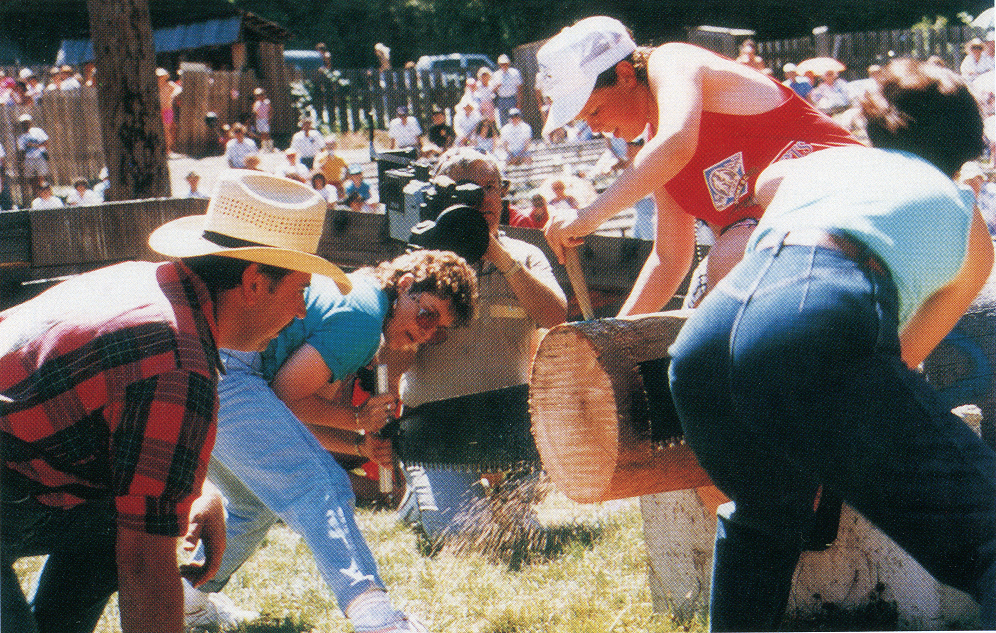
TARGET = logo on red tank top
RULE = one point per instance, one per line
(726, 181)
(797, 149)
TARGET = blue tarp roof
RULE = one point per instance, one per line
(177, 38)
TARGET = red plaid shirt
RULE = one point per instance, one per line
(108, 387)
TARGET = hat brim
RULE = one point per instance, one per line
(183, 237)
(565, 109)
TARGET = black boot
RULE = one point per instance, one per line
(751, 577)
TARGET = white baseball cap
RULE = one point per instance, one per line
(570, 62)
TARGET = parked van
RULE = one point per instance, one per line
(463, 64)
(305, 60)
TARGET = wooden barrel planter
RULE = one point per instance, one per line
(602, 415)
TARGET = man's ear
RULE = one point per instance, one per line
(625, 73)
(405, 283)
(254, 284)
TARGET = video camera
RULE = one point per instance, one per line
(414, 206)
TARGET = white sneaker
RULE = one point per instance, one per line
(212, 611)
(407, 624)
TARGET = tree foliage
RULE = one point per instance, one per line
(412, 28)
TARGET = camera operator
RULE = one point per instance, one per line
(518, 293)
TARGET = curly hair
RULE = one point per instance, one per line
(926, 110)
(441, 273)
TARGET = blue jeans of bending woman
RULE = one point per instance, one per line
(788, 376)
(268, 464)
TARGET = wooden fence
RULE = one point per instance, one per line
(359, 94)
(857, 51)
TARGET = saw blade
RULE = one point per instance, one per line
(483, 432)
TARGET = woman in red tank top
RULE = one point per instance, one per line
(713, 125)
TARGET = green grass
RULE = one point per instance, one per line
(590, 578)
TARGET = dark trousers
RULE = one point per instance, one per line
(79, 575)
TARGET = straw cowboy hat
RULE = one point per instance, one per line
(257, 217)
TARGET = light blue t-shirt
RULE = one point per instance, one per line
(345, 329)
(914, 218)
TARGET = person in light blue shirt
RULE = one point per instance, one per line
(282, 411)
(798, 370)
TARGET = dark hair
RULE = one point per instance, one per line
(220, 273)
(440, 273)
(638, 58)
(926, 110)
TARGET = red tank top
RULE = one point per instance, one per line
(717, 184)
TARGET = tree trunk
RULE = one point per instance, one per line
(128, 99)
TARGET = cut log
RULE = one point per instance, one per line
(601, 411)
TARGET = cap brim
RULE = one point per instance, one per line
(183, 237)
(565, 109)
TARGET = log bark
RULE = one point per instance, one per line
(128, 99)
(591, 413)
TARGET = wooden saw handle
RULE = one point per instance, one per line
(580, 286)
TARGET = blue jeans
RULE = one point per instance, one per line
(787, 377)
(434, 497)
(269, 465)
(79, 575)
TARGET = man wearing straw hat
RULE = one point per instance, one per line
(108, 403)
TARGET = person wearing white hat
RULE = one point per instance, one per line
(32, 148)
(508, 88)
(713, 125)
(108, 401)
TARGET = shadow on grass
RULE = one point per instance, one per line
(274, 625)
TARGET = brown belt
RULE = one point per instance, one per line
(847, 246)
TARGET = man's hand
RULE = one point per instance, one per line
(207, 525)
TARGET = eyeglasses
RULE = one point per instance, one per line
(427, 319)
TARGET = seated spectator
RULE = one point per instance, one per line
(332, 166)
(831, 95)
(485, 134)
(356, 184)
(561, 199)
(100, 189)
(293, 168)
(355, 202)
(253, 162)
(69, 79)
(972, 176)
(516, 138)
(441, 136)
(54, 78)
(465, 120)
(975, 62)
(33, 86)
(749, 57)
(46, 199)
(404, 130)
(307, 142)
(800, 85)
(193, 179)
(238, 147)
(325, 190)
(535, 218)
(81, 195)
